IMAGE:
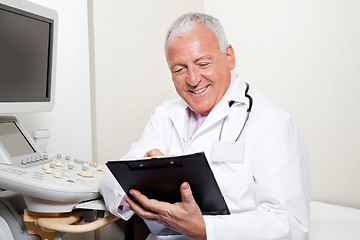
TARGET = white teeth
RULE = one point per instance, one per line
(200, 90)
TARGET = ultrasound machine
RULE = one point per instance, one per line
(42, 196)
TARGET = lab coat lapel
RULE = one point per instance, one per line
(179, 118)
(220, 111)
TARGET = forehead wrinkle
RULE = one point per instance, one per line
(205, 57)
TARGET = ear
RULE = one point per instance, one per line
(231, 56)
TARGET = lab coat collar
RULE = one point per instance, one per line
(233, 93)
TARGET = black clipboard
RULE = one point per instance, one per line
(160, 178)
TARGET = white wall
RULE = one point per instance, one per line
(70, 121)
(305, 55)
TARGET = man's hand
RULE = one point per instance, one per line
(154, 153)
(184, 217)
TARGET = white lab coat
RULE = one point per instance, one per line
(267, 185)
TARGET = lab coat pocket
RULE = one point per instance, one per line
(230, 167)
(230, 152)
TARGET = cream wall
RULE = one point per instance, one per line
(305, 55)
(129, 71)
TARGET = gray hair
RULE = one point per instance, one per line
(185, 23)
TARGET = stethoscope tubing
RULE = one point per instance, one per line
(247, 115)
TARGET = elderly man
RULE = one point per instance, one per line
(253, 147)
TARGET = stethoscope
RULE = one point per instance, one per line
(247, 116)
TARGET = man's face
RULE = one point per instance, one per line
(200, 71)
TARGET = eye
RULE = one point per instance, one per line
(179, 70)
(204, 64)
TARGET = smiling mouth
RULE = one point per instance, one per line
(200, 90)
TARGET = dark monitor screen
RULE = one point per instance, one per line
(25, 56)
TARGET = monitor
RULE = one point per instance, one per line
(27, 57)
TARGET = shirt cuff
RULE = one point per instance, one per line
(114, 195)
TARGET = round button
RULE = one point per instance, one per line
(57, 175)
(58, 163)
(85, 174)
(45, 166)
(48, 170)
(58, 155)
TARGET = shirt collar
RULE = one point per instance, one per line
(195, 115)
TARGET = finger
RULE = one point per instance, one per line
(139, 210)
(153, 153)
(186, 193)
(150, 204)
(132, 204)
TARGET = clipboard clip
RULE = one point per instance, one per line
(157, 163)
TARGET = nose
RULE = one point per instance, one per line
(194, 77)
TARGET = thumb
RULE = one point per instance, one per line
(186, 193)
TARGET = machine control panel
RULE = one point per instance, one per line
(50, 183)
(59, 179)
